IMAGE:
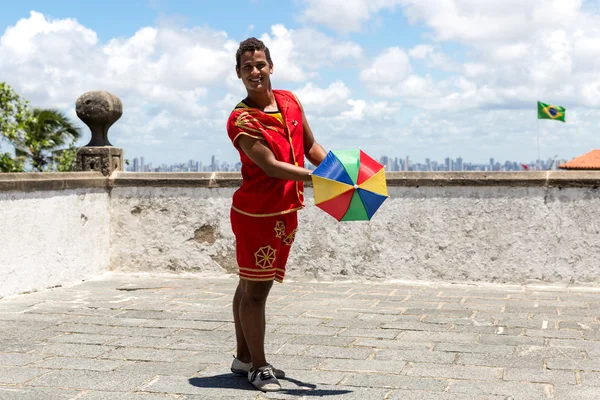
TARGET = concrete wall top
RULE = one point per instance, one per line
(44, 181)
(28, 182)
(515, 179)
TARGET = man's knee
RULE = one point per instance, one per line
(256, 291)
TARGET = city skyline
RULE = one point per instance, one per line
(392, 164)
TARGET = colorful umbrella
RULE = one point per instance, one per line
(349, 185)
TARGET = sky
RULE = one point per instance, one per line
(418, 78)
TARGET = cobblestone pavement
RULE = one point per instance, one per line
(159, 337)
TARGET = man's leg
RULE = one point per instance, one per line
(252, 317)
(243, 352)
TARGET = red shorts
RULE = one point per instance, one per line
(262, 244)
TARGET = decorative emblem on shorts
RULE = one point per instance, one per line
(289, 239)
(265, 257)
(279, 229)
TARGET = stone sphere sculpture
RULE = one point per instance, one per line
(99, 110)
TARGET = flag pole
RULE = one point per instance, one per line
(537, 129)
(537, 132)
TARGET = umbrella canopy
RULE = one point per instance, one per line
(349, 185)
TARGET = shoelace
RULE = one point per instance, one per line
(265, 374)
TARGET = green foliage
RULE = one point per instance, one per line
(8, 164)
(45, 132)
(64, 160)
(15, 112)
(38, 135)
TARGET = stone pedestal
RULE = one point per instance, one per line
(99, 110)
(105, 159)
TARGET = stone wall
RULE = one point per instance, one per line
(530, 227)
(180, 229)
(468, 227)
(54, 230)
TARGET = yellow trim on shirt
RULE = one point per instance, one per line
(276, 114)
(267, 215)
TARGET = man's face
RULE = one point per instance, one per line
(254, 70)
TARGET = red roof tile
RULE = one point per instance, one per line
(589, 160)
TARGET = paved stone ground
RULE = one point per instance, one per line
(159, 337)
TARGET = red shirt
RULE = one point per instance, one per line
(261, 195)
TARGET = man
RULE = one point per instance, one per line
(270, 131)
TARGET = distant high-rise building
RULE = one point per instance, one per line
(142, 165)
(384, 160)
(459, 164)
(136, 164)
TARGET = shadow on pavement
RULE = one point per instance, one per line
(231, 381)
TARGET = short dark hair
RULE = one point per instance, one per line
(252, 44)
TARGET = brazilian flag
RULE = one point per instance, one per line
(548, 111)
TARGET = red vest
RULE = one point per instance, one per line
(260, 195)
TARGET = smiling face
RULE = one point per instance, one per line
(255, 71)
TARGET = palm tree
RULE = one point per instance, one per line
(43, 134)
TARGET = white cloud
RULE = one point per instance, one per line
(157, 65)
(36, 34)
(345, 15)
(175, 83)
(475, 21)
(318, 101)
(516, 53)
(392, 65)
(474, 69)
(421, 51)
(475, 135)
(356, 113)
(367, 111)
(390, 75)
(433, 57)
(511, 133)
(299, 54)
(163, 75)
(283, 52)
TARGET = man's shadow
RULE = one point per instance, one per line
(232, 381)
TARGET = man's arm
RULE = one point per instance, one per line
(314, 152)
(262, 156)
